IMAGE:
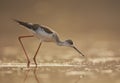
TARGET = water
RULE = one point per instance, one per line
(91, 71)
(93, 25)
(64, 65)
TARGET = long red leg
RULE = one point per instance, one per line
(34, 58)
(19, 38)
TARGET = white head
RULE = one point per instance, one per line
(70, 43)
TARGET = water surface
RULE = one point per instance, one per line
(107, 72)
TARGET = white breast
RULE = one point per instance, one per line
(43, 36)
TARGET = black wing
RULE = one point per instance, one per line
(28, 25)
(46, 30)
(33, 26)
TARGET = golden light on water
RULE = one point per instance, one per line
(93, 25)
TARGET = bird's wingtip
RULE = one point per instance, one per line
(16, 20)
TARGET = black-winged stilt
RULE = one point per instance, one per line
(45, 34)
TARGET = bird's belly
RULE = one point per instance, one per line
(45, 37)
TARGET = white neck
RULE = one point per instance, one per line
(60, 43)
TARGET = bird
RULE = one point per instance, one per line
(44, 34)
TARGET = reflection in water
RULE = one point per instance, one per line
(51, 73)
(35, 75)
(77, 81)
(34, 70)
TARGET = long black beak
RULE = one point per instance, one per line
(78, 51)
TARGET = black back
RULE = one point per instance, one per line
(34, 26)
(46, 29)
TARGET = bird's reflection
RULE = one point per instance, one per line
(34, 71)
(79, 78)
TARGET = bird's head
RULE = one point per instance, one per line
(70, 43)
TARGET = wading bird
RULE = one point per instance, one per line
(45, 34)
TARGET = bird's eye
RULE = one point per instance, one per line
(70, 42)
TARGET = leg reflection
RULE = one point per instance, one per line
(26, 75)
(79, 78)
(34, 71)
(35, 75)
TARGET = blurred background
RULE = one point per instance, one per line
(93, 25)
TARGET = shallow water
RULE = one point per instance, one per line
(93, 25)
(100, 72)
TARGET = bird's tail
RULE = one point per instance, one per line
(28, 25)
